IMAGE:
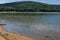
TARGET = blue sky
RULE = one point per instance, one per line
(44, 1)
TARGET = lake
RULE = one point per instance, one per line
(38, 27)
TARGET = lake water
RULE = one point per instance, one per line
(42, 27)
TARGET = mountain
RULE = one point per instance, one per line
(29, 6)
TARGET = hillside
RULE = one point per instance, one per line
(29, 6)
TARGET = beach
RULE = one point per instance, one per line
(5, 35)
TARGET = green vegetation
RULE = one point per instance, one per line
(29, 6)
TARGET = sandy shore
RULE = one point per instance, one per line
(5, 35)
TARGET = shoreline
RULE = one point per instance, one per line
(25, 12)
(6, 35)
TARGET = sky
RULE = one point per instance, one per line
(44, 1)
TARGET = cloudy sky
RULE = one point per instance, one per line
(44, 1)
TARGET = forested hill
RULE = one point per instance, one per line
(29, 6)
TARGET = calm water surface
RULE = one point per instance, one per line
(42, 27)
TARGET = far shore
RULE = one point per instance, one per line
(30, 13)
(26, 12)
